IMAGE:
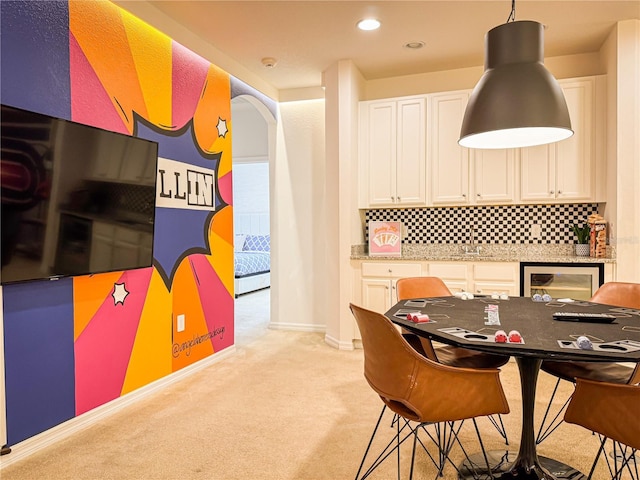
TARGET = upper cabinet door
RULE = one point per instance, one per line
(538, 173)
(393, 152)
(449, 162)
(411, 177)
(381, 153)
(494, 175)
(565, 170)
(574, 156)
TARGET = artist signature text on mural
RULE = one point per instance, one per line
(185, 347)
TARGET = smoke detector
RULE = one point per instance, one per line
(269, 62)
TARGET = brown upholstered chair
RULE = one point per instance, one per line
(610, 410)
(429, 287)
(613, 293)
(417, 389)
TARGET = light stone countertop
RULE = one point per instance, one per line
(546, 253)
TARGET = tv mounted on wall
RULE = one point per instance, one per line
(76, 199)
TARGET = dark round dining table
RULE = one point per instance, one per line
(473, 323)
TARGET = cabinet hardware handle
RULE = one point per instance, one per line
(399, 199)
(478, 195)
(464, 195)
(559, 192)
(551, 192)
(392, 199)
(390, 271)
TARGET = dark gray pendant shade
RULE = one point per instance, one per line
(517, 102)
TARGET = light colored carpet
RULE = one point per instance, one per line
(286, 406)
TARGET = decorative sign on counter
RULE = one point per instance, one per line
(385, 239)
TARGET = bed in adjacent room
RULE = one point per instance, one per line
(252, 258)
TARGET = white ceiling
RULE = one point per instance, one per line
(306, 37)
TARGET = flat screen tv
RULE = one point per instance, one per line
(76, 199)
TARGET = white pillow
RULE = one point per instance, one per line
(239, 243)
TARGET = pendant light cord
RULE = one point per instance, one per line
(512, 15)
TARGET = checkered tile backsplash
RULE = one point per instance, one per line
(492, 224)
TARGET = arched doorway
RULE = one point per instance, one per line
(253, 152)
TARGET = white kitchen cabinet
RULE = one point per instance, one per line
(481, 278)
(392, 152)
(379, 283)
(455, 275)
(460, 176)
(569, 170)
(448, 162)
(496, 277)
(494, 175)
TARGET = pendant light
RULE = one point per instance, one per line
(517, 102)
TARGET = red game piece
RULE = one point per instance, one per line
(501, 336)
(515, 337)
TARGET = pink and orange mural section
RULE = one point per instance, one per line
(76, 344)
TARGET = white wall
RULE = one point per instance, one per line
(250, 142)
(466, 78)
(298, 213)
(344, 87)
(251, 187)
(628, 150)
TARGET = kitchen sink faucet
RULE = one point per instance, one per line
(471, 248)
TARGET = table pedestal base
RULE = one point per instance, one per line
(501, 461)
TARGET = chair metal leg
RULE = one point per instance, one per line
(624, 460)
(444, 436)
(447, 437)
(401, 435)
(547, 429)
(499, 427)
(366, 452)
(443, 439)
(398, 446)
(595, 461)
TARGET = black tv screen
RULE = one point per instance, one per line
(76, 199)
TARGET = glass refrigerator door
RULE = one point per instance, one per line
(576, 286)
(575, 282)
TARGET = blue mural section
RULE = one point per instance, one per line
(41, 84)
(170, 249)
(38, 316)
(39, 361)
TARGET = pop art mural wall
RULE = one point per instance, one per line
(80, 342)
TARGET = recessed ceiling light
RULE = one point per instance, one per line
(414, 45)
(369, 24)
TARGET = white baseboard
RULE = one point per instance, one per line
(296, 327)
(335, 343)
(49, 437)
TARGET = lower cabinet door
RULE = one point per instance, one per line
(376, 294)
